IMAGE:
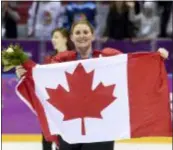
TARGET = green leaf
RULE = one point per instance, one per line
(13, 59)
(7, 68)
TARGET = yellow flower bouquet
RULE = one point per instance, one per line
(12, 57)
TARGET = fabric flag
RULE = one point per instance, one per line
(101, 99)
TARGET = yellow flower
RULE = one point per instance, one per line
(9, 50)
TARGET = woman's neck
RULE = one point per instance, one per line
(62, 48)
(85, 53)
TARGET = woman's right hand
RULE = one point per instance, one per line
(20, 71)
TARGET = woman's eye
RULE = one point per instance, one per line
(85, 32)
(77, 32)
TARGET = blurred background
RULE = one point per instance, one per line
(127, 26)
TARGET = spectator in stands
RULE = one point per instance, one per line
(147, 20)
(118, 25)
(43, 18)
(102, 9)
(79, 10)
(165, 7)
(10, 17)
(170, 26)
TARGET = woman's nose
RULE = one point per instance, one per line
(82, 35)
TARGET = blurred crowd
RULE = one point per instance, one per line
(117, 20)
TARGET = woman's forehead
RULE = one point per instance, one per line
(58, 33)
(81, 27)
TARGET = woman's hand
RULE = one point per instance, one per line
(20, 71)
(163, 53)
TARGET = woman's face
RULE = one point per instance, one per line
(58, 40)
(82, 37)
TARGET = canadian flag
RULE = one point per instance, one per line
(100, 99)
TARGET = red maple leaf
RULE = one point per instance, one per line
(81, 101)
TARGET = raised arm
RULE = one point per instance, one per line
(31, 18)
(132, 16)
(12, 12)
(111, 52)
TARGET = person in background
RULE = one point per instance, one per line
(118, 25)
(61, 42)
(43, 18)
(10, 17)
(79, 10)
(170, 26)
(102, 8)
(147, 21)
(166, 7)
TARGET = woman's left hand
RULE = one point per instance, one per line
(163, 53)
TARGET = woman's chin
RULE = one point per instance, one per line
(83, 48)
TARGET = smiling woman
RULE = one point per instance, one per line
(82, 35)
